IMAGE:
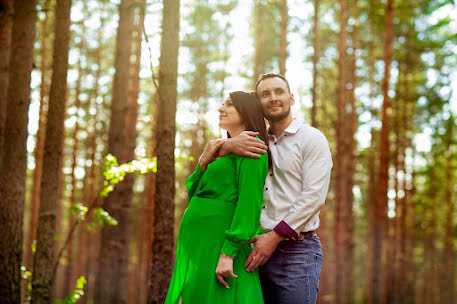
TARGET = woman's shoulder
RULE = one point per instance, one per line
(251, 160)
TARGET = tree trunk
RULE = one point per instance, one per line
(147, 224)
(341, 161)
(112, 278)
(40, 137)
(448, 285)
(43, 262)
(411, 237)
(14, 154)
(165, 182)
(135, 276)
(283, 38)
(351, 145)
(6, 24)
(383, 177)
(315, 61)
(372, 163)
(90, 266)
(70, 267)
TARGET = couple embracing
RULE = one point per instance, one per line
(249, 232)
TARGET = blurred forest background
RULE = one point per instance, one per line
(81, 79)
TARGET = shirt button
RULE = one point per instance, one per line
(276, 143)
(271, 174)
(263, 207)
(266, 188)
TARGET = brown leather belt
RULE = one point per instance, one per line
(306, 235)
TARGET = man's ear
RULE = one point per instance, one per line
(292, 99)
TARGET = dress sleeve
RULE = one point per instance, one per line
(192, 182)
(251, 178)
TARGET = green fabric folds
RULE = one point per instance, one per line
(223, 214)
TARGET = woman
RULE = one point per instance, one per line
(225, 200)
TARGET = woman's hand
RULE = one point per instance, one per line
(224, 269)
(208, 153)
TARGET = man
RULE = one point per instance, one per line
(288, 253)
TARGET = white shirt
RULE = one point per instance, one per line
(298, 180)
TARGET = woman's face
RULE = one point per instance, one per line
(229, 117)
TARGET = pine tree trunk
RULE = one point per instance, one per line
(283, 38)
(148, 205)
(411, 236)
(135, 275)
(341, 161)
(70, 267)
(40, 137)
(14, 154)
(91, 266)
(351, 128)
(372, 164)
(315, 61)
(448, 285)
(112, 278)
(383, 176)
(165, 182)
(43, 261)
(6, 24)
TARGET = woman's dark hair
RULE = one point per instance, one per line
(248, 105)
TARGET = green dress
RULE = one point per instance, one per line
(223, 214)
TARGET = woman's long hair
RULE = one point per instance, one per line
(248, 105)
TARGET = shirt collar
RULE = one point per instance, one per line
(291, 129)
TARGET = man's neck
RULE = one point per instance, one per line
(277, 127)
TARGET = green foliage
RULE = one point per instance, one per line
(100, 218)
(75, 294)
(115, 173)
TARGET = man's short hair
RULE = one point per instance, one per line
(270, 75)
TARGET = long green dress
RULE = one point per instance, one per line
(223, 214)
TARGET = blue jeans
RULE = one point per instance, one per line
(291, 275)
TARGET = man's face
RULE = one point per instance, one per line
(275, 98)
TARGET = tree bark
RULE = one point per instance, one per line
(43, 262)
(283, 37)
(165, 182)
(371, 162)
(135, 276)
(40, 137)
(448, 292)
(112, 278)
(14, 154)
(6, 24)
(69, 269)
(383, 176)
(341, 191)
(91, 266)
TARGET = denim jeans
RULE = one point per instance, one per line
(291, 275)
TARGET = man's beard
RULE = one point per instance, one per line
(277, 117)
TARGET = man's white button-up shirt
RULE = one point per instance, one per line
(298, 180)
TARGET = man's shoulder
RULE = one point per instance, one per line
(311, 133)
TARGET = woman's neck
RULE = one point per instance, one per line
(236, 131)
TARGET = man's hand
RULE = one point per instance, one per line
(224, 269)
(265, 245)
(245, 144)
(208, 153)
